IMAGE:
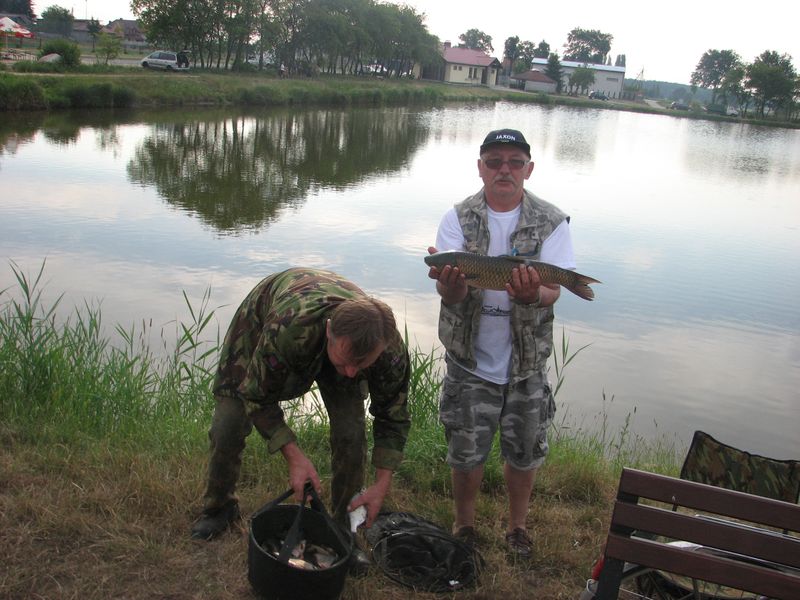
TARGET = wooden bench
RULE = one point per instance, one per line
(746, 557)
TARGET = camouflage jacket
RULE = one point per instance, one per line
(276, 347)
(531, 327)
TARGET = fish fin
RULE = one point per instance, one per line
(519, 258)
(581, 287)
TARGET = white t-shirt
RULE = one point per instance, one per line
(493, 342)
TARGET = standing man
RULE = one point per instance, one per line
(498, 342)
(295, 328)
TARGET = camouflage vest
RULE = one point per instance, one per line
(531, 327)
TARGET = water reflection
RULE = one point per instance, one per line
(239, 173)
(738, 150)
(692, 227)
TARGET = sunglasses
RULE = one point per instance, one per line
(515, 164)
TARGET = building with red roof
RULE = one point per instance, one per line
(465, 66)
(533, 81)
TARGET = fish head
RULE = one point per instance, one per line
(440, 259)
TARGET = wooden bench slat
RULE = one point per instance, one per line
(766, 545)
(699, 496)
(725, 571)
(750, 543)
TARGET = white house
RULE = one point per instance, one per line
(465, 66)
(607, 79)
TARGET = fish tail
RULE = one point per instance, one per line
(581, 286)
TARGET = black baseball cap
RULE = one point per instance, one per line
(506, 136)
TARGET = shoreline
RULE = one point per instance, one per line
(97, 86)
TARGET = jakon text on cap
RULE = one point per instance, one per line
(506, 136)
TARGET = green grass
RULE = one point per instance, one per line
(135, 87)
(103, 448)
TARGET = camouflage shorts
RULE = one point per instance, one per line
(473, 409)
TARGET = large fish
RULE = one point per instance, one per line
(493, 272)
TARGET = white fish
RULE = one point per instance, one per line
(299, 563)
(357, 517)
(320, 556)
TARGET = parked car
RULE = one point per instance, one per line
(597, 95)
(161, 59)
(679, 106)
(722, 109)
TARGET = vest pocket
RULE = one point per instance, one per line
(453, 332)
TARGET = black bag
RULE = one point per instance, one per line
(272, 577)
(421, 555)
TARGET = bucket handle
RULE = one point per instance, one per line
(293, 536)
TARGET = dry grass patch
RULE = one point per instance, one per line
(99, 521)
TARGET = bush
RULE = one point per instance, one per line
(20, 94)
(245, 67)
(95, 95)
(30, 66)
(123, 97)
(69, 52)
(263, 95)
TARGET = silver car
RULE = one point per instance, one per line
(162, 60)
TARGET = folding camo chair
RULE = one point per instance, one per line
(714, 463)
(711, 462)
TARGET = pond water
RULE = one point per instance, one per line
(693, 227)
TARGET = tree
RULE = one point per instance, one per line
(620, 62)
(773, 79)
(525, 61)
(475, 39)
(94, 29)
(18, 7)
(542, 50)
(554, 71)
(108, 47)
(56, 19)
(732, 87)
(587, 46)
(308, 36)
(712, 68)
(511, 52)
(581, 78)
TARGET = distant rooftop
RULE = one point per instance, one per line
(575, 64)
(533, 75)
(466, 56)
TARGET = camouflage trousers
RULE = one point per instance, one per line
(472, 410)
(230, 426)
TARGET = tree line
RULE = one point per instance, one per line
(18, 7)
(769, 83)
(307, 36)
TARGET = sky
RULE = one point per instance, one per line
(662, 41)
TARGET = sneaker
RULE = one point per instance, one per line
(519, 543)
(213, 524)
(466, 535)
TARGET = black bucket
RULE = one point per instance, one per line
(272, 577)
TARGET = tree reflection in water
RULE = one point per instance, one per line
(238, 173)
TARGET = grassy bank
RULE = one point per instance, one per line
(139, 88)
(35, 87)
(103, 449)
